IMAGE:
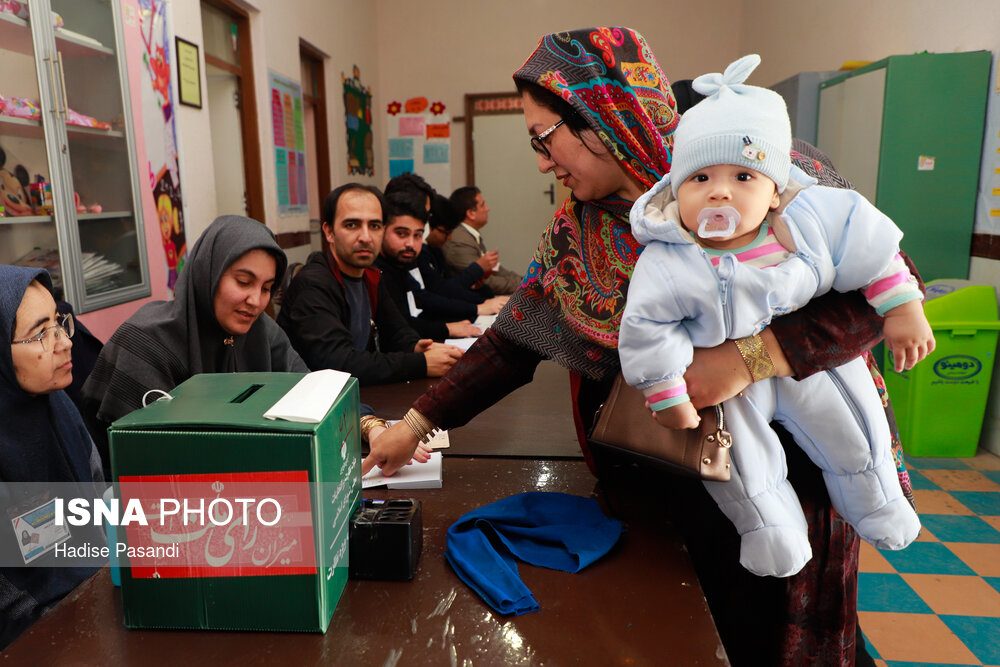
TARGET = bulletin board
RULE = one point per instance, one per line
(419, 138)
(289, 145)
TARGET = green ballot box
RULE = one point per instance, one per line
(940, 402)
(230, 520)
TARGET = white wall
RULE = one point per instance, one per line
(475, 47)
(342, 30)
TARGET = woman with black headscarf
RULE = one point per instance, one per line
(43, 446)
(600, 115)
(212, 325)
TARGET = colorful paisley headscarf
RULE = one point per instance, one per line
(569, 306)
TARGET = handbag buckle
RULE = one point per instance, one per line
(725, 438)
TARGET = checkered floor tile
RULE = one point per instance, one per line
(937, 602)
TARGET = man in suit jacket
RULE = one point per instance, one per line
(466, 243)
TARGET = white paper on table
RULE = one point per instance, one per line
(464, 343)
(311, 397)
(485, 321)
(413, 476)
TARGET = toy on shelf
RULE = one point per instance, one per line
(19, 107)
(22, 107)
(77, 118)
(80, 208)
(13, 190)
(20, 10)
(40, 193)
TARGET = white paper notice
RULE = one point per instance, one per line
(413, 476)
(464, 343)
(311, 397)
(485, 321)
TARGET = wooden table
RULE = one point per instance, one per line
(535, 420)
(639, 605)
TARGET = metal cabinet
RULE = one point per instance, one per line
(801, 94)
(66, 129)
(908, 131)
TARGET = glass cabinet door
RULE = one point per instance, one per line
(27, 226)
(89, 198)
(103, 196)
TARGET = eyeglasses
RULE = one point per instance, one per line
(538, 141)
(47, 336)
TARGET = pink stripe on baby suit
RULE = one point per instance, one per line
(759, 251)
(886, 284)
(673, 392)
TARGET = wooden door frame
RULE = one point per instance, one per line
(253, 177)
(320, 126)
(485, 104)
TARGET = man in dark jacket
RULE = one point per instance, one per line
(431, 314)
(338, 314)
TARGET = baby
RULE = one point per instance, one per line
(735, 236)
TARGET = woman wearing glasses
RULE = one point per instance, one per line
(43, 442)
(600, 115)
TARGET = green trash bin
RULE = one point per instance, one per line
(940, 402)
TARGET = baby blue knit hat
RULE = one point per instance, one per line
(735, 124)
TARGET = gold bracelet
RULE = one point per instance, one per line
(755, 356)
(368, 422)
(423, 429)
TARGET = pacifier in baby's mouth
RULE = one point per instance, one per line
(717, 222)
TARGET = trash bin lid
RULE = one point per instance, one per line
(951, 302)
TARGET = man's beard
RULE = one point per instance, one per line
(406, 263)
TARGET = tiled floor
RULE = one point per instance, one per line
(937, 602)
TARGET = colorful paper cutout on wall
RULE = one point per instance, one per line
(161, 136)
(416, 105)
(412, 126)
(358, 115)
(401, 148)
(437, 108)
(288, 128)
(436, 153)
(397, 167)
(438, 130)
(421, 143)
(394, 108)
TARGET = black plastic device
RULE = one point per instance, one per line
(386, 539)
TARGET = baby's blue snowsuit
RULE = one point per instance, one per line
(677, 301)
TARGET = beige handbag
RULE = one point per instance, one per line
(623, 423)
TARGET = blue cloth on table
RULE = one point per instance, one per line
(554, 530)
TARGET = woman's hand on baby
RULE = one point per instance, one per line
(716, 374)
(908, 335)
(679, 416)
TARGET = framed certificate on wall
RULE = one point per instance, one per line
(188, 73)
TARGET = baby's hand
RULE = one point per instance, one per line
(679, 416)
(908, 335)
